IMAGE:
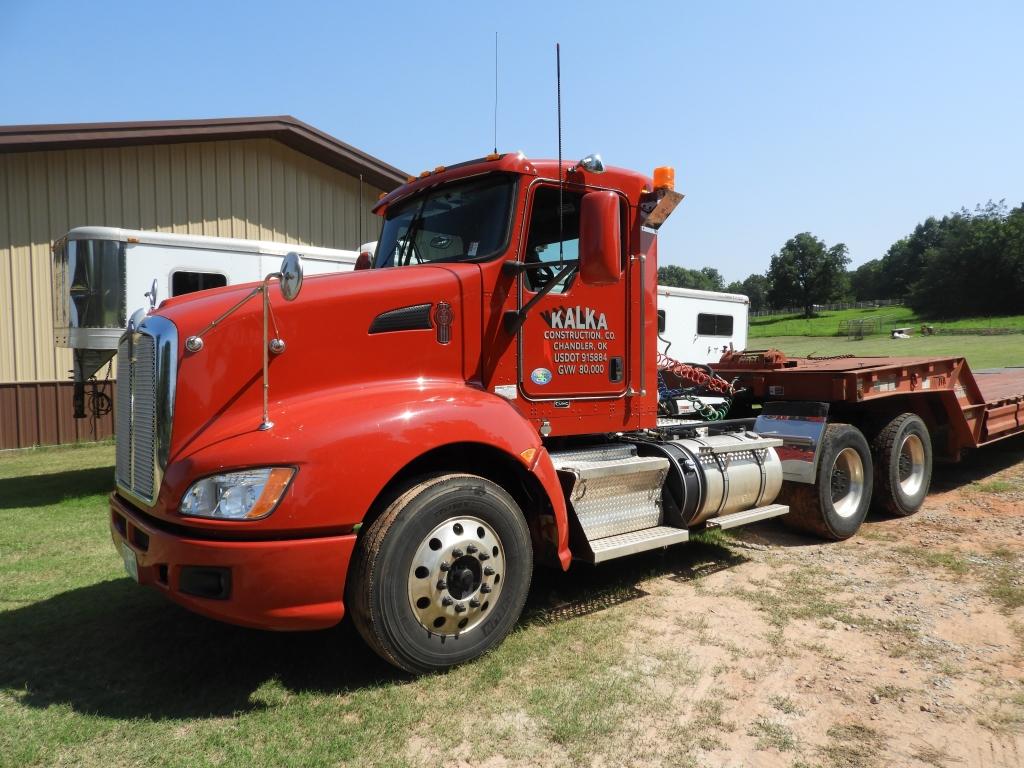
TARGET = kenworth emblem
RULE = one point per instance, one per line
(443, 320)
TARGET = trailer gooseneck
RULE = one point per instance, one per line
(485, 397)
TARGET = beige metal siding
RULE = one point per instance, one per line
(255, 188)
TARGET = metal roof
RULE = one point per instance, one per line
(284, 128)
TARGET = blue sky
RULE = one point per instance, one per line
(851, 120)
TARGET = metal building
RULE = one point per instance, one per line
(262, 178)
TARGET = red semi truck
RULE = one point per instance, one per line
(403, 443)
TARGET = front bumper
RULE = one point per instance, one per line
(280, 584)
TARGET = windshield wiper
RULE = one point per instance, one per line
(410, 231)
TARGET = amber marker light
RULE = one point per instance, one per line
(664, 177)
(273, 490)
(527, 455)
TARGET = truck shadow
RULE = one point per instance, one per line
(118, 651)
(43, 490)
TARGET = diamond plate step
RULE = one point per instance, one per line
(623, 544)
(737, 519)
(610, 452)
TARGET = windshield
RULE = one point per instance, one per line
(461, 221)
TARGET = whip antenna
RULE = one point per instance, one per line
(561, 181)
(359, 211)
(495, 93)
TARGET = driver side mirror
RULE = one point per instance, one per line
(364, 261)
(600, 246)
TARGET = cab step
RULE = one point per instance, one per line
(747, 516)
(630, 543)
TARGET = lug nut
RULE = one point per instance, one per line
(474, 603)
(484, 556)
(488, 571)
(457, 553)
(460, 608)
(446, 601)
(442, 584)
(445, 566)
(485, 588)
(471, 549)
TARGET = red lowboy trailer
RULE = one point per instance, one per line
(401, 443)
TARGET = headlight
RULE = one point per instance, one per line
(245, 495)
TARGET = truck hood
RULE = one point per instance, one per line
(358, 329)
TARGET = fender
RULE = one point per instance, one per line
(340, 472)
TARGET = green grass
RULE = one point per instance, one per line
(827, 323)
(96, 671)
(980, 351)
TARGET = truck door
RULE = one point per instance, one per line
(573, 343)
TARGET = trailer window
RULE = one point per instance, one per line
(190, 282)
(714, 325)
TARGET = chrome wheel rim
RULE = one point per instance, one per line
(456, 576)
(847, 481)
(911, 464)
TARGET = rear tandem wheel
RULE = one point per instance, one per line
(836, 505)
(903, 465)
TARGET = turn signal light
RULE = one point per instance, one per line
(665, 177)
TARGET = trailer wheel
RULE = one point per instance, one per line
(903, 465)
(441, 576)
(836, 505)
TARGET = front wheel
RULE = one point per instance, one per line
(836, 505)
(441, 576)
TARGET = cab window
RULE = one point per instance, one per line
(543, 238)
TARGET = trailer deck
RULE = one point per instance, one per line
(981, 407)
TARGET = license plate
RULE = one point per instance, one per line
(131, 563)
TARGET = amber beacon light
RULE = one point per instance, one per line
(665, 177)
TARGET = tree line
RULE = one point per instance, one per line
(966, 263)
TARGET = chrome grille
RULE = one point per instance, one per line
(123, 414)
(143, 423)
(145, 401)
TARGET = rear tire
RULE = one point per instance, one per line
(836, 505)
(441, 576)
(903, 465)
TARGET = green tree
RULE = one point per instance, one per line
(806, 272)
(867, 284)
(904, 262)
(705, 279)
(975, 266)
(755, 288)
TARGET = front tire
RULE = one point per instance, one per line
(441, 576)
(836, 505)
(903, 463)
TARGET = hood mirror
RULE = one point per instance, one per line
(591, 164)
(291, 276)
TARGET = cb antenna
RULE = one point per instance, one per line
(561, 181)
(359, 211)
(495, 92)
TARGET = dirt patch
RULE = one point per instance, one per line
(903, 646)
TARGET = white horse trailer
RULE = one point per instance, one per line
(102, 275)
(699, 326)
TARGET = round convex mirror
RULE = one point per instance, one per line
(291, 276)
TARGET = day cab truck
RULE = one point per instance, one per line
(404, 442)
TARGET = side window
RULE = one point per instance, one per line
(543, 237)
(714, 325)
(190, 282)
